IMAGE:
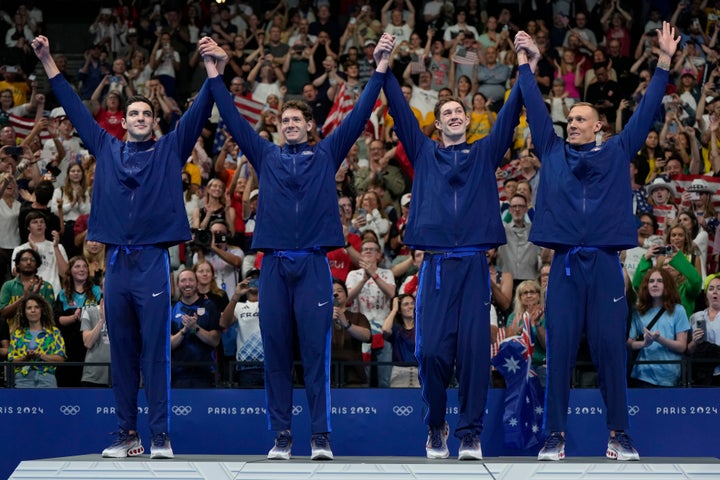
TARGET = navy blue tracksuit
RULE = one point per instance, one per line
(454, 218)
(138, 211)
(584, 212)
(297, 222)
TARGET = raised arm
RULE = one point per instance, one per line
(343, 137)
(633, 136)
(93, 136)
(251, 144)
(541, 126)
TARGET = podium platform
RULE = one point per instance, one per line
(229, 467)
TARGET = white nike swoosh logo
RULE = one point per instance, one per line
(486, 303)
(323, 304)
(615, 300)
(157, 294)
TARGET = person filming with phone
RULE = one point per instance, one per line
(705, 337)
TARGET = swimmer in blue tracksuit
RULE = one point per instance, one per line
(584, 212)
(297, 221)
(455, 218)
(138, 212)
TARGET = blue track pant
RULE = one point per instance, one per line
(590, 298)
(453, 330)
(137, 311)
(296, 294)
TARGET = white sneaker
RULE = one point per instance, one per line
(436, 445)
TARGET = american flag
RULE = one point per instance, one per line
(341, 107)
(417, 65)
(468, 58)
(250, 111)
(23, 126)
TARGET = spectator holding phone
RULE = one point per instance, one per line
(244, 311)
(705, 337)
(676, 258)
(350, 331)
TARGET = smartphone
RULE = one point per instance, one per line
(694, 196)
(254, 283)
(701, 325)
(361, 212)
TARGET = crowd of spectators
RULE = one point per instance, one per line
(602, 52)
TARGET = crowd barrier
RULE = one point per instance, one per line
(366, 422)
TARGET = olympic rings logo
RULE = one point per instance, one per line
(402, 410)
(69, 409)
(633, 410)
(297, 409)
(181, 410)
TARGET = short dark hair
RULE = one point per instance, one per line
(36, 256)
(298, 105)
(138, 98)
(442, 102)
(34, 215)
(337, 281)
(517, 195)
(44, 192)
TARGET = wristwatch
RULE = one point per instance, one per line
(347, 327)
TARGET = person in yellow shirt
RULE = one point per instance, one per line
(481, 119)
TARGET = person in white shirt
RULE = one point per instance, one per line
(54, 258)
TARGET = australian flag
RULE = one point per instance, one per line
(522, 419)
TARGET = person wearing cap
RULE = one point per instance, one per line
(297, 222)
(698, 197)
(137, 211)
(451, 179)
(583, 212)
(661, 197)
(63, 140)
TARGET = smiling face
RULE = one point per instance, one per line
(138, 121)
(452, 122)
(187, 283)
(407, 307)
(75, 173)
(294, 126)
(79, 270)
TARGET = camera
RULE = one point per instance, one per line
(667, 250)
(220, 237)
(14, 151)
(202, 240)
